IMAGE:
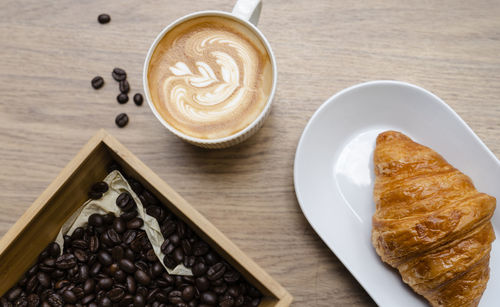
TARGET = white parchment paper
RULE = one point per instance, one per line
(107, 203)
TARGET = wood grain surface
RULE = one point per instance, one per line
(50, 50)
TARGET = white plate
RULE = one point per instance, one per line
(333, 175)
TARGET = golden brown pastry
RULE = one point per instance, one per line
(430, 222)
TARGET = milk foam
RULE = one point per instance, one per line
(210, 77)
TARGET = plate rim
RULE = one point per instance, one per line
(331, 100)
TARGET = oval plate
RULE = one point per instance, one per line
(333, 175)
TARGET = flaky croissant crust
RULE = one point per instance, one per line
(430, 222)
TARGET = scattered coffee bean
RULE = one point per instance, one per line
(97, 82)
(119, 74)
(138, 99)
(103, 18)
(122, 98)
(124, 87)
(121, 120)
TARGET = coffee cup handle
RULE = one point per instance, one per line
(248, 10)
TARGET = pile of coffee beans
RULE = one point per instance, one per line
(111, 262)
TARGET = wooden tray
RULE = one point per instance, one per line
(40, 224)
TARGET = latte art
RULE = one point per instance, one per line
(210, 77)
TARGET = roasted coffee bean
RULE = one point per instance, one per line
(88, 286)
(211, 258)
(44, 279)
(188, 293)
(97, 82)
(80, 244)
(141, 265)
(69, 297)
(32, 271)
(169, 262)
(178, 255)
(120, 276)
(231, 276)
(129, 236)
(117, 253)
(119, 74)
(186, 247)
(200, 248)
(124, 87)
(121, 120)
(88, 298)
(122, 98)
(168, 228)
(253, 292)
(105, 302)
(106, 240)
(189, 261)
(127, 216)
(127, 300)
(142, 277)
(217, 282)
(157, 269)
(135, 223)
(65, 261)
(96, 220)
(157, 212)
(216, 271)
(95, 269)
(209, 298)
(175, 297)
(105, 283)
(31, 284)
(113, 236)
(168, 249)
(78, 233)
(129, 254)
(138, 99)
(54, 249)
(55, 300)
(113, 269)
(93, 243)
(94, 195)
(61, 284)
(81, 255)
(83, 272)
(139, 301)
(202, 283)
(100, 186)
(103, 18)
(116, 294)
(127, 266)
(131, 284)
(33, 300)
(109, 218)
(175, 239)
(220, 289)
(13, 293)
(119, 225)
(104, 258)
(199, 269)
(233, 291)
(150, 255)
(124, 200)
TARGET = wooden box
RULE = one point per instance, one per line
(40, 224)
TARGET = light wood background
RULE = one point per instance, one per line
(50, 50)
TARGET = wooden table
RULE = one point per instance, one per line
(50, 50)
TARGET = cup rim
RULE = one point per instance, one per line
(162, 34)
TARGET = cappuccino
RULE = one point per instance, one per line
(210, 77)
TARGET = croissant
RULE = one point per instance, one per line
(430, 222)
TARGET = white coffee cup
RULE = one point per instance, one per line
(247, 12)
